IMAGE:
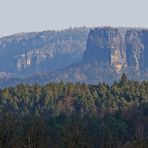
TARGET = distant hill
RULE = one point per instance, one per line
(26, 54)
(91, 56)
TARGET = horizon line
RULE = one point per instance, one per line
(72, 27)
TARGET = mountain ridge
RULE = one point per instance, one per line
(26, 54)
(109, 52)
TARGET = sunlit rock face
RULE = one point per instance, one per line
(32, 58)
(125, 49)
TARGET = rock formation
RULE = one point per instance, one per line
(125, 49)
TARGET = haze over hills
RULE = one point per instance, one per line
(31, 53)
(76, 55)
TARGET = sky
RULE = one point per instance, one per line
(18, 16)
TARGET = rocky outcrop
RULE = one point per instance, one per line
(125, 49)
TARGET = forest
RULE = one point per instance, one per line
(75, 115)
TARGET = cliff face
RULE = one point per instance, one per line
(125, 49)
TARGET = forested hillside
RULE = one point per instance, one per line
(67, 115)
(37, 52)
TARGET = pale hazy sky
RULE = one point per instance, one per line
(37, 15)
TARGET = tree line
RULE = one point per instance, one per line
(67, 115)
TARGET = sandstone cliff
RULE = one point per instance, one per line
(125, 49)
